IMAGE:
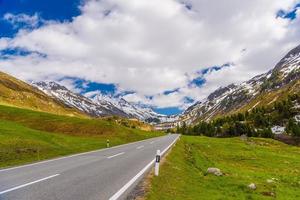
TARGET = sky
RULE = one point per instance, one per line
(165, 54)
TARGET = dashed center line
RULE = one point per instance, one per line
(152, 142)
(115, 155)
(118, 194)
(140, 147)
(27, 184)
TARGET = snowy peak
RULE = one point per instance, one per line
(289, 65)
(290, 62)
(221, 91)
(77, 101)
(235, 96)
(286, 71)
(101, 105)
(132, 110)
(50, 86)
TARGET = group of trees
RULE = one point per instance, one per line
(293, 128)
(226, 129)
(255, 123)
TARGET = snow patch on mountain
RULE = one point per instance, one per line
(234, 96)
(292, 63)
(140, 112)
(101, 105)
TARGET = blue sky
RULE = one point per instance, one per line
(291, 14)
(61, 10)
(50, 10)
(140, 59)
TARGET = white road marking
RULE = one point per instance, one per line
(140, 147)
(27, 184)
(74, 155)
(115, 155)
(152, 142)
(127, 185)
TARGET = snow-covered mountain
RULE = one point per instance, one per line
(101, 105)
(233, 97)
(77, 101)
(133, 111)
(222, 101)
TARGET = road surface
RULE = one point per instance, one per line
(99, 175)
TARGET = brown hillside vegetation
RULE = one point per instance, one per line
(14, 92)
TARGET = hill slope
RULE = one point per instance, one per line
(284, 77)
(27, 136)
(14, 92)
(78, 101)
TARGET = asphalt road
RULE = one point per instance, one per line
(99, 175)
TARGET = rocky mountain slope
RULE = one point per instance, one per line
(101, 105)
(78, 101)
(132, 110)
(281, 80)
(14, 92)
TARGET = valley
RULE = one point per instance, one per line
(149, 100)
(233, 129)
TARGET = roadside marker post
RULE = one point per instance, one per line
(38, 153)
(107, 143)
(157, 160)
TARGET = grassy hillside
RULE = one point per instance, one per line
(269, 97)
(257, 122)
(17, 93)
(27, 136)
(183, 174)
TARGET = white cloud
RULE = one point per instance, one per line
(27, 20)
(153, 46)
(4, 42)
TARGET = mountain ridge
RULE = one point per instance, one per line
(234, 97)
(14, 92)
(223, 101)
(101, 105)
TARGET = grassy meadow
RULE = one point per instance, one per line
(273, 166)
(28, 136)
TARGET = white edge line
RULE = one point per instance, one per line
(27, 184)
(74, 155)
(115, 155)
(127, 185)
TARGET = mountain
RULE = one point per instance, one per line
(263, 89)
(101, 105)
(14, 92)
(134, 111)
(78, 101)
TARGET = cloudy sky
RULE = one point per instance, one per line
(167, 54)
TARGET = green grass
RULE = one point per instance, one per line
(27, 136)
(183, 175)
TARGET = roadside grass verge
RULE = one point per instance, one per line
(183, 175)
(28, 136)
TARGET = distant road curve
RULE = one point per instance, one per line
(104, 174)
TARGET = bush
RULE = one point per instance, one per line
(266, 133)
(293, 128)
